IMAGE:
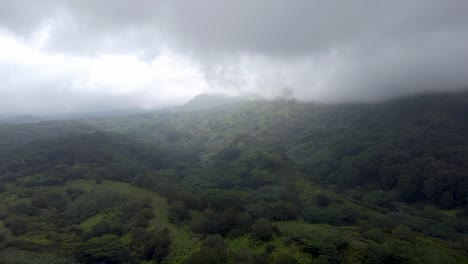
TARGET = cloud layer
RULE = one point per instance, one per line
(66, 56)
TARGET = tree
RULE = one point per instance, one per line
(377, 254)
(40, 201)
(74, 192)
(213, 251)
(99, 229)
(262, 229)
(93, 202)
(375, 234)
(402, 232)
(447, 201)
(18, 226)
(21, 208)
(15, 256)
(146, 245)
(2, 187)
(139, 221)
(104, 227)
(410, 186)
(161, 243)
(178, 212)
(322, 200)
(147, 213)
(107, 249)
(259, 178)
(285, 259)
(389, 176)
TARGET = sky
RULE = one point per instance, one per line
(65, 56)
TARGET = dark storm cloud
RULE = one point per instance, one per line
(375, 49)
(303, 26)
(322, 50)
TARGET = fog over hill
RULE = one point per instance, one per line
(76, 56)
(262, 180)
(233, 132)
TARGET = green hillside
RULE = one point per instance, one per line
(241, 182)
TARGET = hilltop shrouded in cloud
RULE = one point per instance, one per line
(67, 56)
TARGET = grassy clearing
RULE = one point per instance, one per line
(423, 249)
(183, 242)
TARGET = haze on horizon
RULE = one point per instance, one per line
(63, 56)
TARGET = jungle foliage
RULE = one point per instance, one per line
(243, 182)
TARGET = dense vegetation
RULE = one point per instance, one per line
(241, 182)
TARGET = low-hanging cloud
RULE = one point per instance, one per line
(104, 55)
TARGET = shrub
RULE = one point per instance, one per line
(213, 251)
(322, 200)
(262, 229)
(402, 232)
(107, 249)
(2, 237)
(375, 234)
(139, 221)
(147, 213)
(103, 227)
(380, 254)
(39, 201)
(74, 192)
(284, 259)
(21, 209)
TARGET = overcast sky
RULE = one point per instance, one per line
(61, 56)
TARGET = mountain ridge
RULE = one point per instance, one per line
(347, 183)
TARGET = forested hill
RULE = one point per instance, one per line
(241, 182)
(415, 148)
(206, 101)
(87, 154)
(15, 135)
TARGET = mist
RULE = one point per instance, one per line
(94, 56)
